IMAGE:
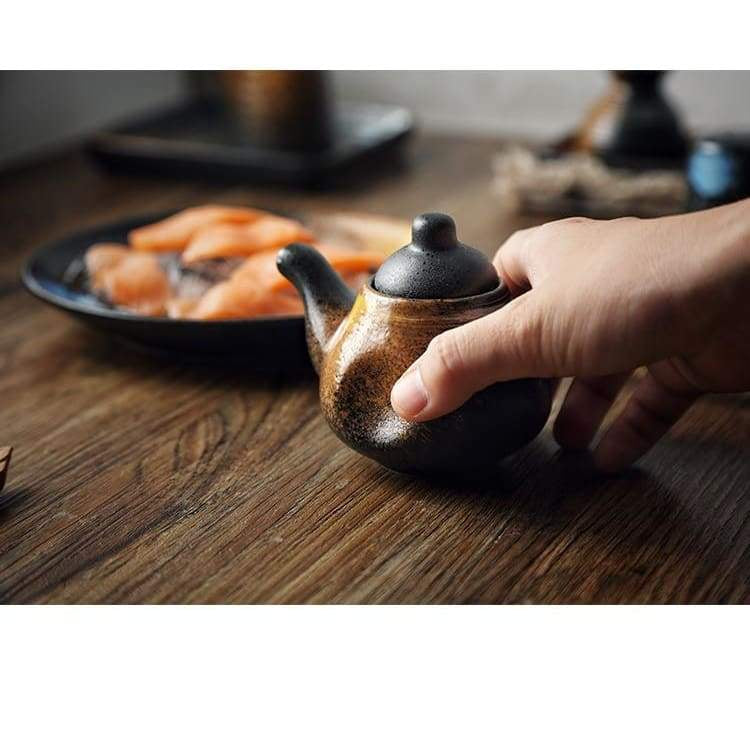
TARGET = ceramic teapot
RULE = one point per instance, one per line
(360, 345)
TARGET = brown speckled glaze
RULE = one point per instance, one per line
(359, 354)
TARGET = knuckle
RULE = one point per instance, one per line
(522, 240)
(624, 220)
(574, 221)
(514, 247)
(518, 237)
(570, 222)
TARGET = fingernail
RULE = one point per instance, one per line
(409, 396)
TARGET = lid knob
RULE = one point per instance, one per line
(433, 232)
(435, 265)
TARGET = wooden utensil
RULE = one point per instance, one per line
(6, 451)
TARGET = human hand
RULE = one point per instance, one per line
(595, 300)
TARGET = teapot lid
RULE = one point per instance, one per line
(435, 265)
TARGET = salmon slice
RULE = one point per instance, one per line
(262, 266)
(103, 256)
(175, 232)
(228, 241)
(181, 307)
(345, 260)
(134, 281)
(257, 288)
(243, 298)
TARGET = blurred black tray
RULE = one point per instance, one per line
(205, 140)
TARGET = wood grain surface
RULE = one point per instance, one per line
(138, 478)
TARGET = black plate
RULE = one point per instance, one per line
(273, 343)
(201, 139)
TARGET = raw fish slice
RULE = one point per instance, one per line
(262, 266)
(175, 232)
(134, 281)
(138, 283)
(257, 288)
(227, 240)
(242, 298)
(103, 256)
(181, 307)
(352, 261)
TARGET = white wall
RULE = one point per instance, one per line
(539, 103)
(40, 108)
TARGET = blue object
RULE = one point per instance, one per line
(718, 170)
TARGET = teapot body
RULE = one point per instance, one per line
(379, 339)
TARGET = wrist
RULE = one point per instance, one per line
(733, 241)
(721, 264)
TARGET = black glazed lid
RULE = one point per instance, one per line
(435, 265)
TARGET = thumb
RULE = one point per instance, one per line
(504, 345)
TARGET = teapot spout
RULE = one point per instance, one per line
(326, 297)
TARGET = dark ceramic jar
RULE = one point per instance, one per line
(361, 345)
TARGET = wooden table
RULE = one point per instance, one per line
(144, 479)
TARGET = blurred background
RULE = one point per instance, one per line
(41, 108)
(596, 143)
